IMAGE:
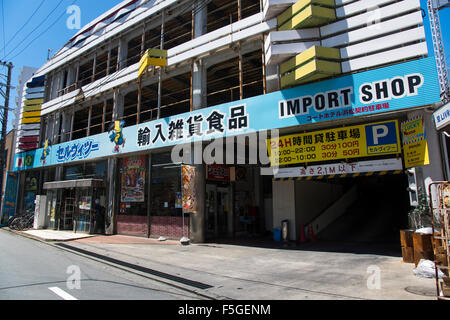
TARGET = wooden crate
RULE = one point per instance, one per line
(406, 238)
(422, 242)
(408, 254)
(445, 289)
(441, 259)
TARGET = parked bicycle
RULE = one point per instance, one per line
(21, 222)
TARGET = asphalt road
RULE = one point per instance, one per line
(32, 270)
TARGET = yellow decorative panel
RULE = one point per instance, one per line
(313, 70)
(33, 102)
(31, 120)
(32, 108)
(32, 114)
(299, 6)
(311, 16)
(314, 52)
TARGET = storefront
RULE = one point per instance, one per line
(150, 200)
(72, 204)
(349, 124)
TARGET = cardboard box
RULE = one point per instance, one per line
(408, 255)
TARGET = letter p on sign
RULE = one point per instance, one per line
(378, 132)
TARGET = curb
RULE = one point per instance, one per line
(30, 236)
(53, 243)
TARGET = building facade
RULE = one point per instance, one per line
(263, 111)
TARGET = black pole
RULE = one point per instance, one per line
(4, 126)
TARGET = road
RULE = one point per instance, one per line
(32, 270)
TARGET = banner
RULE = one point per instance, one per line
(375, 139)
(415, 146)
(189, 195)
(374, 92)
(10, 198)
(336, 169)
(133, 179)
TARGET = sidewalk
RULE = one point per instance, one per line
(226, 271)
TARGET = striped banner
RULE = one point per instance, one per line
(341, 176)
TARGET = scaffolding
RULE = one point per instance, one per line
(439, 52)
(440, 211)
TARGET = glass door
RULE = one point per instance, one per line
(211, 210)
(223, 210)
(50, 217)
(83, 219)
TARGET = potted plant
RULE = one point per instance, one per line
(419, 218)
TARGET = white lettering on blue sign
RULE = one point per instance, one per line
(322, 101)
(76, 151)
(388, 89)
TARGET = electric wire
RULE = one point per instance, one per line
(29, 34)
(42, 33)
(23, 26)
(3, 22)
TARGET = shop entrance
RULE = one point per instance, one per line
(218, 211)
(73, 205)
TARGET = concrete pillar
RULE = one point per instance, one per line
(272, 78)
(123, 53)
(197, 221)
(66, 125)
(111, 175)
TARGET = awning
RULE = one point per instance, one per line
(83, 183)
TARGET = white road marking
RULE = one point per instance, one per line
(61, 293)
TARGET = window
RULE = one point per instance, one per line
(166, 186)
(133, 186)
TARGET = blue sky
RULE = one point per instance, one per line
(49, 21)
(53, 29)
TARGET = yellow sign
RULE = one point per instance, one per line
(375, 139)
(415, 146)
(152, 57)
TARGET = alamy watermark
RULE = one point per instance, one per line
(73, 22)
(249, 148)
(74, 280)
(374, 279)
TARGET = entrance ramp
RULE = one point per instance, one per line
(336, 210)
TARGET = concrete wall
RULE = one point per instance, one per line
(284, 205)
(301, 201)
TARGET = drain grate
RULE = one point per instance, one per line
(421, 291)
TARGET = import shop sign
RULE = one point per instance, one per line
(375, 139)
(387, 89)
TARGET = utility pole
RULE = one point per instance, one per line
(4, 125)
